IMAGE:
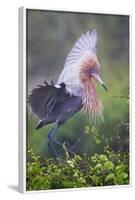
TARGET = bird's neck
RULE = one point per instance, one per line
(91, 102)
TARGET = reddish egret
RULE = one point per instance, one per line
(74, 90)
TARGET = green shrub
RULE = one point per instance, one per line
(110, 168)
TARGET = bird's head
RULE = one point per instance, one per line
(90, 72)
(90, 69)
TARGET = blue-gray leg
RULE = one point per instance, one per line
(51, 140)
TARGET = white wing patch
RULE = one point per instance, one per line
(70, 74)
(87, 42)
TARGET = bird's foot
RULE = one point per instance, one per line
(68, 149)
(71, 148)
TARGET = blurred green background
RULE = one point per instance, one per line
(50, 37)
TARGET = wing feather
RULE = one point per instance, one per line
(44, 98)
(85, 44)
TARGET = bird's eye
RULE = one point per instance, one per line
(94, 70)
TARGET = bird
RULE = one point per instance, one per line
(75, 89)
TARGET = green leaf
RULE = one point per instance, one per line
(119, 168)
(110, 177)
(82, 180)
(94, 159)
(78, 158)
(109, 165)
(103, 157)
(98, 166)
(70, 162)
(67, 184)
(123, 175)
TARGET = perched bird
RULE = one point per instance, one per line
(74, 90)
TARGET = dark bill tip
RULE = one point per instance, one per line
(104, 87)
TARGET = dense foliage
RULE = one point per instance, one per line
(78, 171)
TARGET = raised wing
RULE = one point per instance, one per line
(86, 44)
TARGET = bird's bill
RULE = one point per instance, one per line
(104, 87)
(97, 78)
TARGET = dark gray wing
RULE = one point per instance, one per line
(44, 98)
